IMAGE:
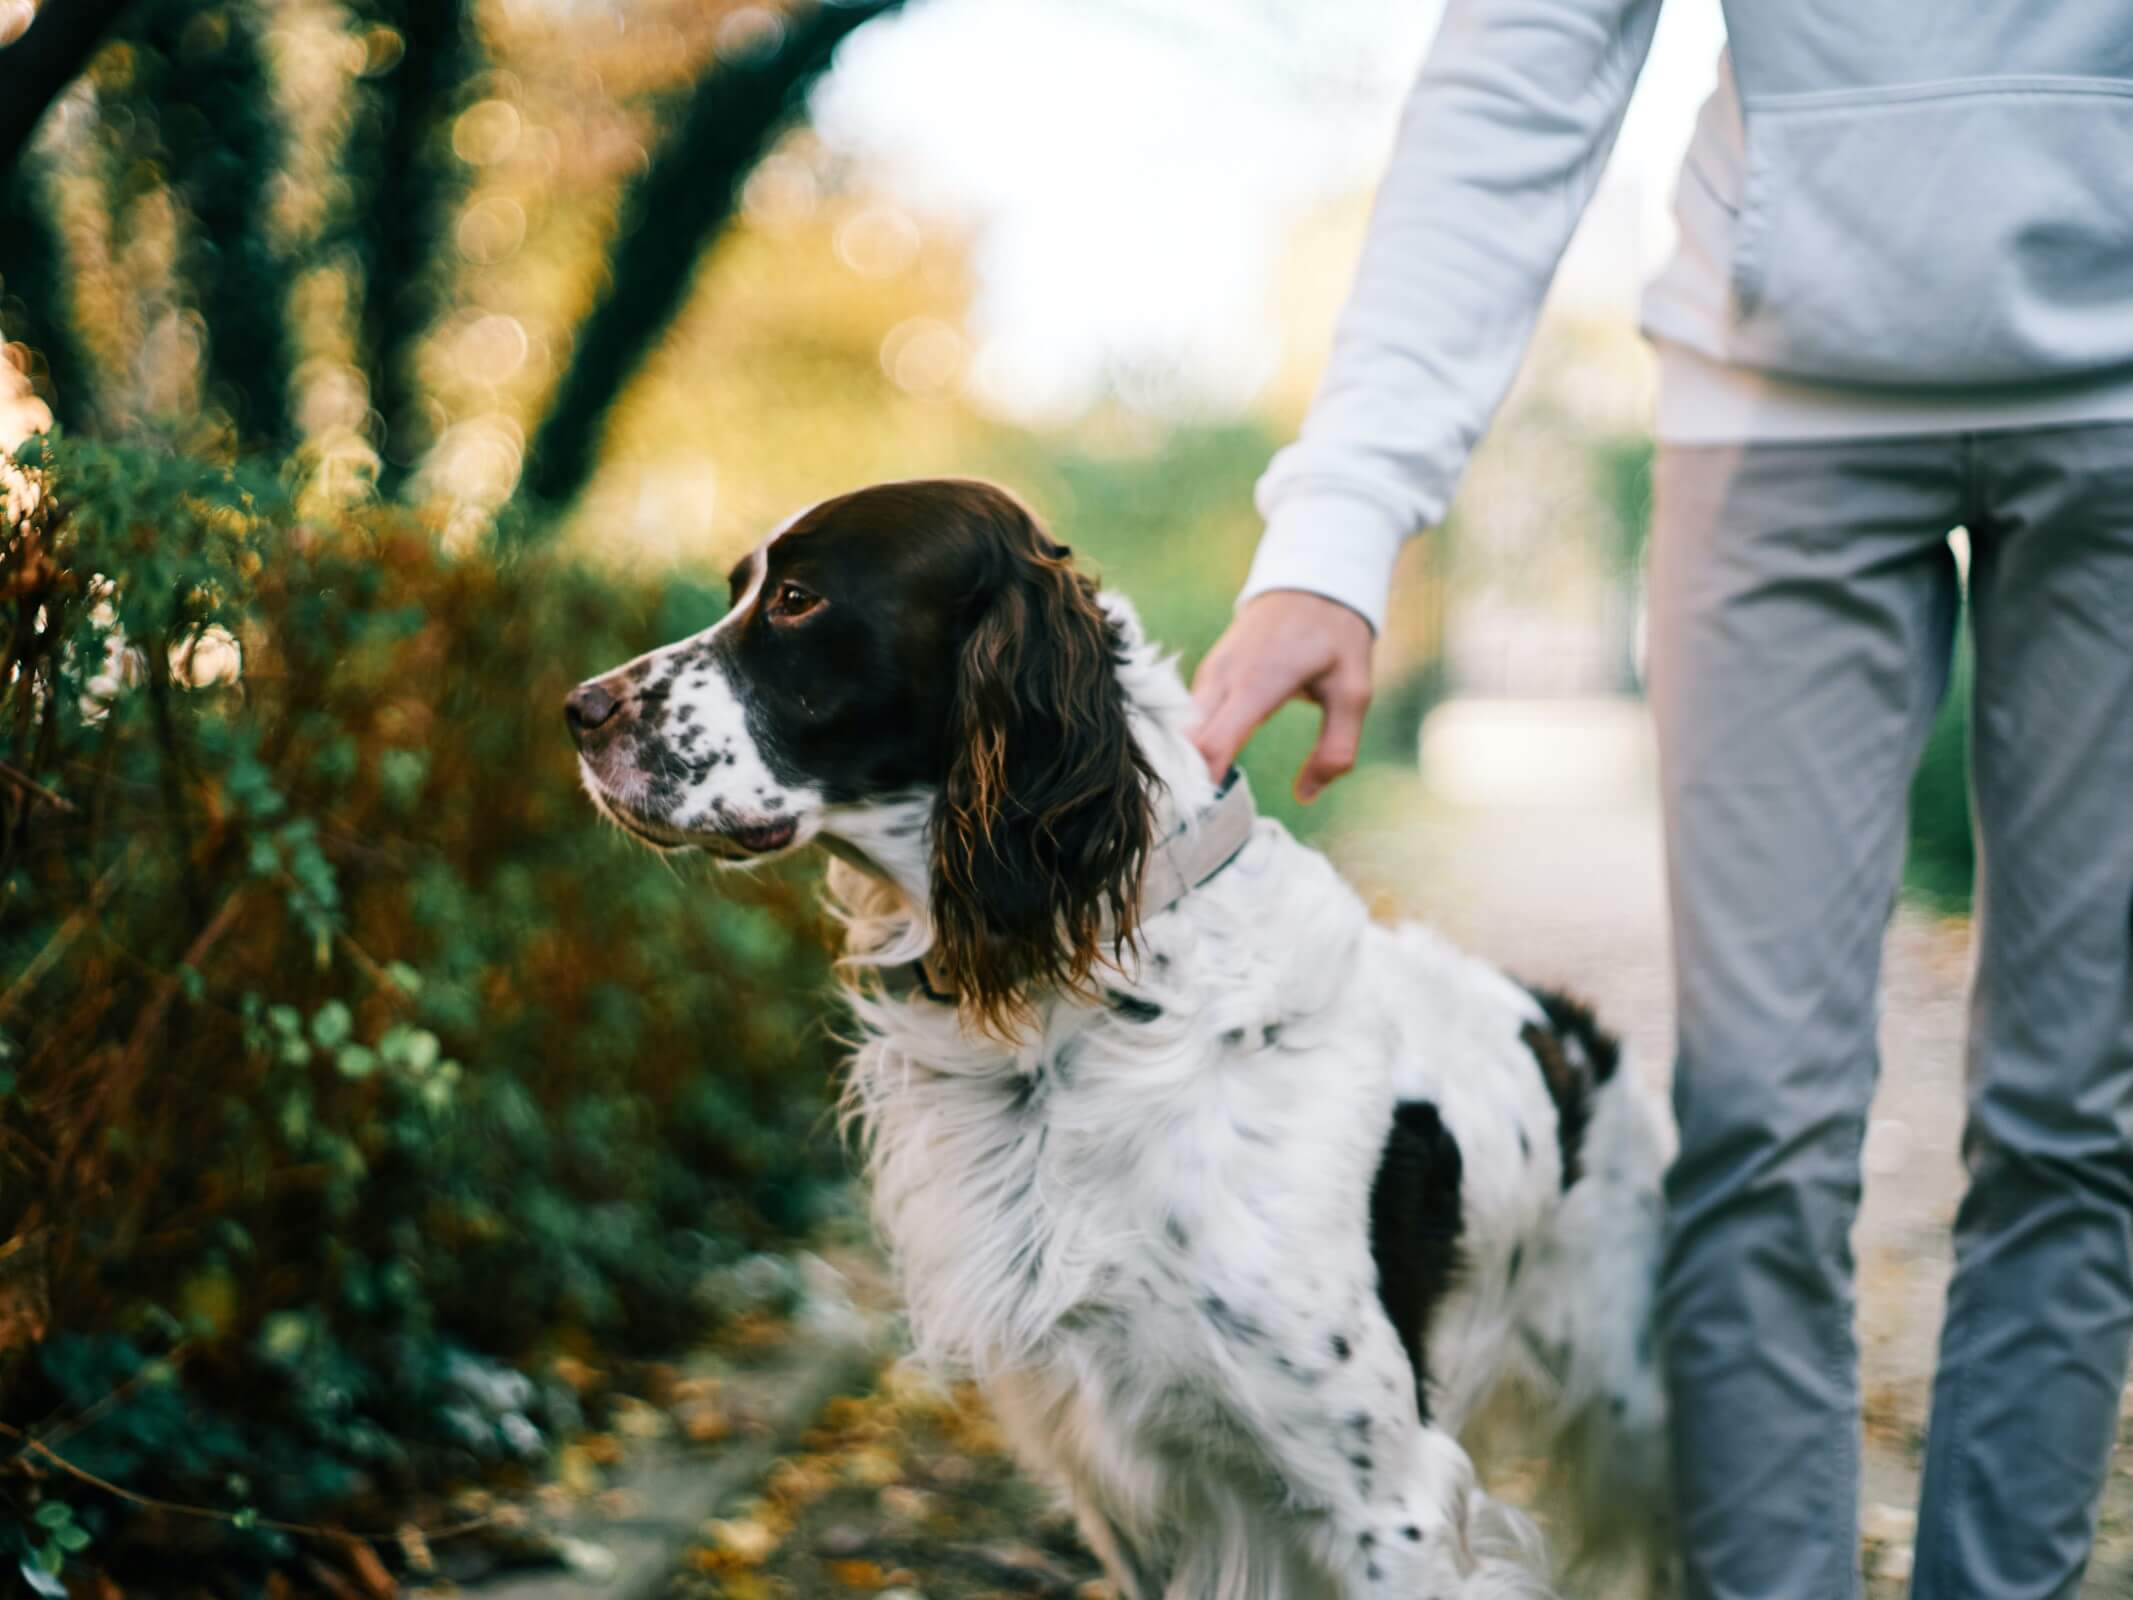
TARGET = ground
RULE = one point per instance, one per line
(904, 1492)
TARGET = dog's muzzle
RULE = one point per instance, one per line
(588, 709)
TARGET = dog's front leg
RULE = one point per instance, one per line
(1058, 1429)
(1391, 1504)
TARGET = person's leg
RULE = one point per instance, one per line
(2033, 1352)
(1803, 604)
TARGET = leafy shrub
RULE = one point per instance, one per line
(346, 1065)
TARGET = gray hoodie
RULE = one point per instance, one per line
(1900, 194)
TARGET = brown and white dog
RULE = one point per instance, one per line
(1240, 1207)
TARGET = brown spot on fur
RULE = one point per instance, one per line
(1575, 1055)
(1043, 825)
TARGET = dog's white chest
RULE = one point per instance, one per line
(1121, 1171)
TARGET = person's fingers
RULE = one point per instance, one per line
(1340, 736)
(1222, 734)
(1208, 701)
(1211, 680)
(1210, 688)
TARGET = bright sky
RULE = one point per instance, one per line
(1132, 171)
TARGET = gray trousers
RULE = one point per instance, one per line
(1804, 603)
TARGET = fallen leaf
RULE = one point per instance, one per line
(415, 1549)
(574, 1372)
(746, 1539)
(873, 1466)
(703, 1421)
(907, 1504)
(576, 1472)
(636, 1420)
(604, 1448)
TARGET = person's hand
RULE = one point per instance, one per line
(1286, 645)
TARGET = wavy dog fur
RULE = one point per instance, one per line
(1040, 835)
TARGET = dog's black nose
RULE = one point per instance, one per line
(587, 708)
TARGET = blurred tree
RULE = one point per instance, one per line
(33, 295)
(410, 182)
(684, 198)
(36, 67)
(190, 112)
(201, 79)
(33, 72)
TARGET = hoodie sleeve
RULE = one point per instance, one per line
(1499, 150)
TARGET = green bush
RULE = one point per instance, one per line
(346, 1065)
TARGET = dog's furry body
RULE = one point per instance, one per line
(1244, 1232)
(1147, 1227)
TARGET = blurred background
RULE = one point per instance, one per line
(401, 1182)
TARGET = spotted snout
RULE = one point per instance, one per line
(665, 750)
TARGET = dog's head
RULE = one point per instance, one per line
(922, 640)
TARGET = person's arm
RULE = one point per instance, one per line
(1499, 151)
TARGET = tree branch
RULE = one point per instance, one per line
(674, 211)
(412, 184)
(39, 65)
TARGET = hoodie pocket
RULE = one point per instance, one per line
(1971, 232)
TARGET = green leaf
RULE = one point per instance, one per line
(284, 1335)
(401, 774)
(53, 1514)
(415, 1049)
(331, 1024)
(73, 1538)
(355, 1061)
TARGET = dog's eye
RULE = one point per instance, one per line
(789, 603)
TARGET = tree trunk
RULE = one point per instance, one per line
(213, 110)
(405, 222)
(35, 306)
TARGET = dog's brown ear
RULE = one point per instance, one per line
(1043, 825)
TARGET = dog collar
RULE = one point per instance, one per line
(1189, 856)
